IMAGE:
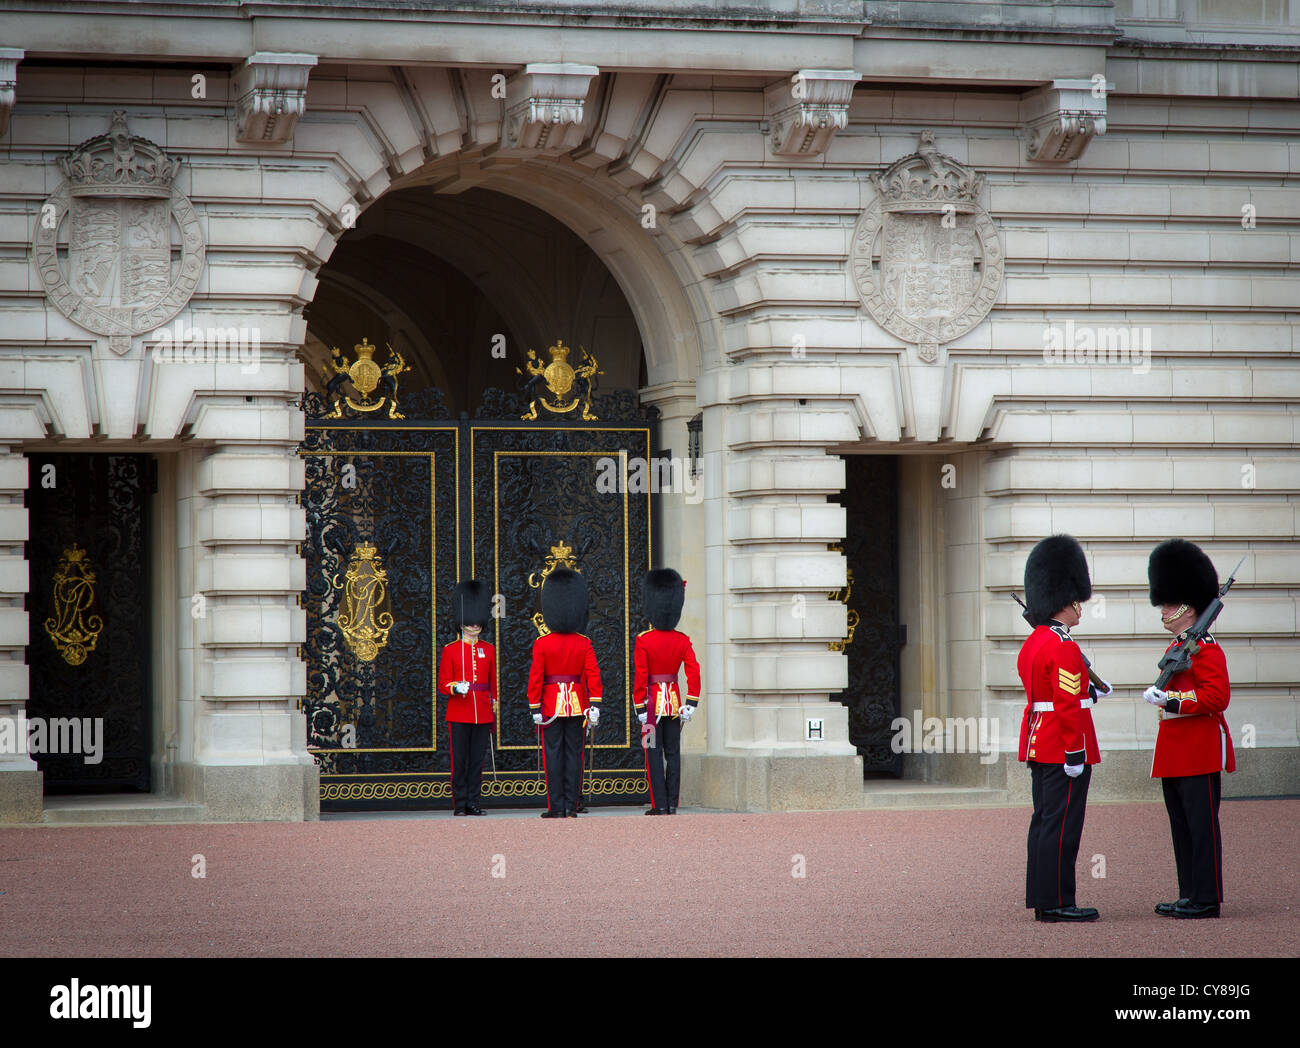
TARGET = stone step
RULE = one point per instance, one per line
(119, 808)
(904, 793)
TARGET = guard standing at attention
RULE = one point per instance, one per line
(658, 658)
(563, 688)
(1193, 745)
(1057, 738)
(467, 676)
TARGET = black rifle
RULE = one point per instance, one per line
(1179, 657)
(1092, 674)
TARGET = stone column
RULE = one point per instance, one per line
(250, 757)
(770, 527)
(20, 779)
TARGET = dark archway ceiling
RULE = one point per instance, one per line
(440, 277)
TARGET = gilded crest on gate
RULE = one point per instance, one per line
(73, 628)
(367, 378)
(843, 595)
(926, 257)
(561, 556)
(364, 618)
(558, 387)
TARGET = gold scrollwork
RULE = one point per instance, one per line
(561, 556)
(842, 595)
(363, 620)
(72, 628)
(561, 378)
(599, 786)
(366, 376)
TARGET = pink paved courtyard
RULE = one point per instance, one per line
(879, 883)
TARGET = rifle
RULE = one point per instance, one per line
(1179, 656)
(1093, 676)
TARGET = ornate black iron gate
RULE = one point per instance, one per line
(870, 498)
(399, 509)
(89, 611)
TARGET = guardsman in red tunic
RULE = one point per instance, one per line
(467, 676)
(658, 658)
(1057, 739)
(1193, 745)
(563, 688)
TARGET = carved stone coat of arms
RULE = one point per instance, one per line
(116, 209)
(926, 258)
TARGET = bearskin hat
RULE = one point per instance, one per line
(1056, 575)
(564, 601)
(1181, 573)
(471, 604)
(662, 595)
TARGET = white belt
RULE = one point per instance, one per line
(1047, 707)
(1166, 715)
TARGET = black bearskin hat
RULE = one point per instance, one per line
(564, 601)
(471, 604)
(662, 595)
(1056, 575)
(1181, 573)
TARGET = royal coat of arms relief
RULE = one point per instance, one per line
(104, 240)
(926, 257)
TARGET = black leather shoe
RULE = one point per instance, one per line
(571, 815)
(461, 811)
(1196, 910)
(552, 815)
(581, 809)
(1166, 909)
(672, 811)
(1064, 914)
(476, 810)
(656, 811)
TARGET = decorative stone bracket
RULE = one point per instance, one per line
(270, 92)
(545, 106)
(9, 59)
(806, 110)
(1060, 119)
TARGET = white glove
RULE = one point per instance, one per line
(1101, 694)
(687, 713)
(537, 719)
(1074, 770)
(1155, 696)
(461, 687)
(641, 717)
(593, 715)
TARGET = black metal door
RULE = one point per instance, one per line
(397, 511)
(88, 650)
(870, 499)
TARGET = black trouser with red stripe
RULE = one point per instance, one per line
(1192, 802)
(562, 742)
(469, 743)
(667, 748)
(1054, 833)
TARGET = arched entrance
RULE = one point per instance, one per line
(453, 452)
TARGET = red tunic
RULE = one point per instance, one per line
(475, 663)
(1058, 713)
(660, 653)
(570, 658)
(1195, 740)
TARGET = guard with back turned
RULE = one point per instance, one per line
(563, 688)
(659, 656)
